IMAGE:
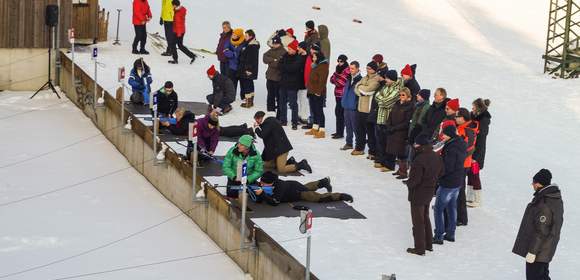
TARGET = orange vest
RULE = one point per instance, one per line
(462, 130)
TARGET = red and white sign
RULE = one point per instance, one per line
(193, 132)
(309, 217)
(71, 35)
(121, 74)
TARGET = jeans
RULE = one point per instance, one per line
(178, 43)
(446, 199)
(286, 96)
(140, 37)
(169, 34)
(273, 88)
(317, 105)
(350, 124)
(246, 87)
(339, 113)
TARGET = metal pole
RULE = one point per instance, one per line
(117, 36)
(307, 276)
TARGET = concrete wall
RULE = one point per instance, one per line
(265, 260)
(24, 69)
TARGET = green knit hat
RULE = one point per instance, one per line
(246, 140)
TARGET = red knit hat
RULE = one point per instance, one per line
(291, 31)
(453, 104)
(378, 58)
(211, 71)
(293, 45)
(407, 70)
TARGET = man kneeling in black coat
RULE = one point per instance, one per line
(292, 191)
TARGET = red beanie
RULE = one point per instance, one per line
(378, 58)
(291, 31)
(211, 71)
(407, 71)
(293, 45)
(453, 104)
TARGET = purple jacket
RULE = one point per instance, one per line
(207, 136)
(224, 37)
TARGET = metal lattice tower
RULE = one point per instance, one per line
(562, 56)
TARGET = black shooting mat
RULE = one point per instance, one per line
(336, 210)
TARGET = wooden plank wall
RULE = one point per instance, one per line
(22, 23)
(83, 14)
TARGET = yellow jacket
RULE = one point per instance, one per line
(166, 10)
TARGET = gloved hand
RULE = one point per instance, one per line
(160, 21)
(530, 258)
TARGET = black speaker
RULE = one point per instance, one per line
(51, 17)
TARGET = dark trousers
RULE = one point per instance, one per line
(140, 37)
(365, 133)
(339, 113)
(350, 124)
(273, 87)
(286, 96)
(422, 232)
(381, 144)
(317, 109)
(223, 103)
(246, 86)
(169, 34)
(233, 75)
(178, 43)
(462, 204)
(224, 68)
(537, 271)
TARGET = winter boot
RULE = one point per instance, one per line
(402, 170)
(320, 133)
(251, 100)
(346, 197)
(291, 161)
(356, 152)
(346, 147)
(325, 183)
(303, 165)
(415, 252)
(476, 199)
(312, 131)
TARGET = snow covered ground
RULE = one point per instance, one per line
(488, 49)
(65, 191)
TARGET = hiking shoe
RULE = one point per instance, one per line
(357, 153)
(437, 241)
(346, 147)
(448, 238)
(294, 126)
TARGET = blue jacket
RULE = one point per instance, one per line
(136, 81)
(233, 54)
(454, 154)
(349, 98)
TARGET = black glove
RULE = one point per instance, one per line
(160, 21)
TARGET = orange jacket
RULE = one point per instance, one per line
(468, 132)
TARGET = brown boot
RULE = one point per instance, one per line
(312, 131)
(356, 152)
(320, 133)
(248, 101)
(402, 170)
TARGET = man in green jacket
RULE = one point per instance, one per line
(232, 167)
(421, 108)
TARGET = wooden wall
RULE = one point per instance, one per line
(22, 23)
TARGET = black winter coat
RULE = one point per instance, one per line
(539, 231)
(291, 68)
(223, 88)
(182, 126)
(426, 168)
(434, 117)
(484, 120)
(398, 128)
(374, 111)
(249, 57)
(284, 191)
(275, 140)
(454, 154)
(166, 103)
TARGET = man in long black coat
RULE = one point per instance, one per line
(426, 168)
(540, 228)
(276, 145)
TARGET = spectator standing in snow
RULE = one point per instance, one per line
(179, 29)
(141, 15)
(232, 50)
(286, 37)
(421, 108)
(248, 68)
(292, 191)
(436, 113)
(426, 168)
(273, 76)
(291, 67)
(166, 20)
(243, 150)
(539, 231)
(398, 130)
(451, 109)
(454, 154)
(317, 91)
(140, 81)
(467, 131)
(225, 37)
(338, 79)
(311, 36)
(276, 146)
(411, 83)
(304, 112)
(223, 91)
(386, 97)
(365, 89)
(324, 41)
(349, 102)
(482, 117)
(167, 100)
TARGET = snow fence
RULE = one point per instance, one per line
(265, 259)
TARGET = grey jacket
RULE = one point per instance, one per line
(540, 228)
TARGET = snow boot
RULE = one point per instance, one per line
(325, 183)
(346, 197)
(320, 133)
(476, 201)
(303, 165)
(346, 147)
(415, 252)
(312, 131)
(402, 170)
